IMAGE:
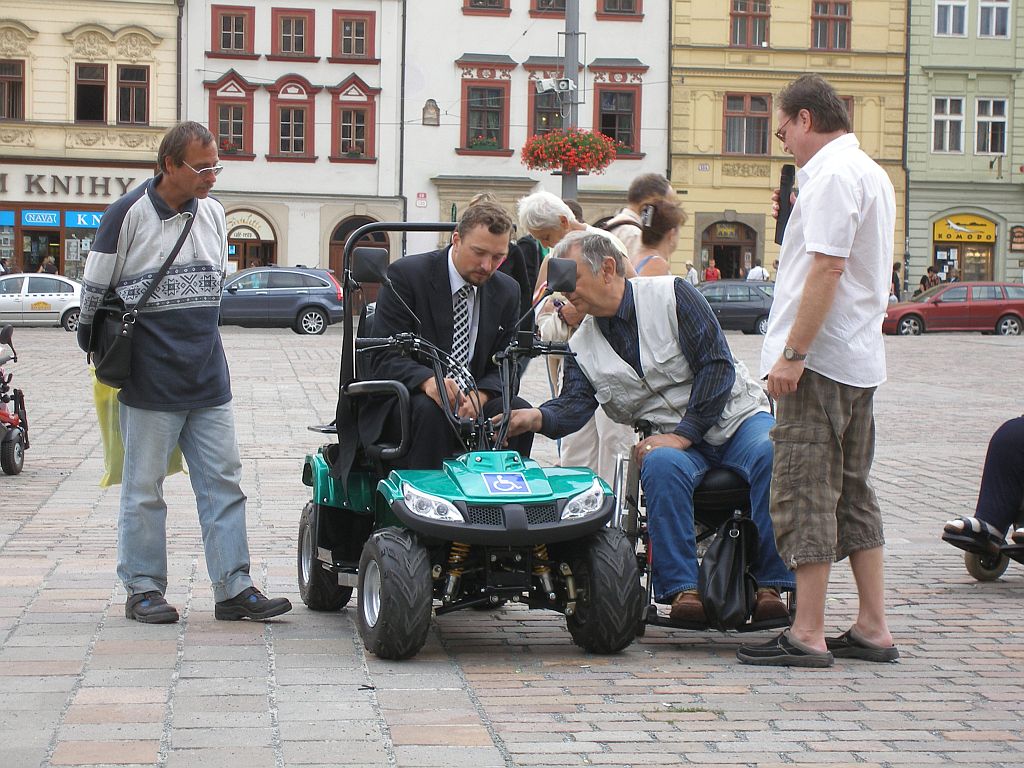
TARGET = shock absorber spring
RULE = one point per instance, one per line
(542, 571)
(457, 556)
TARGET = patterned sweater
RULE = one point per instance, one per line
(178, 361)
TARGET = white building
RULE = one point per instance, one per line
(303, 96)
(473, 64)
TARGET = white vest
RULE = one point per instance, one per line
(663, 393)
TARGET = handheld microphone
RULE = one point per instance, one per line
(786, 179)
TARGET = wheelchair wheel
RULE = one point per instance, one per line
(986, 567)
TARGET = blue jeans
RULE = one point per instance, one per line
(207, 440)
(669, 477)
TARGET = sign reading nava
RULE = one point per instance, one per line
(964, 228)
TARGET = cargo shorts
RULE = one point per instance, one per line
(822, 504)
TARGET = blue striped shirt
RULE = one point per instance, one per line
(701, 341)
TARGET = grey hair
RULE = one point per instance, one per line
(541, 210)
(177, 141)
(594, 249)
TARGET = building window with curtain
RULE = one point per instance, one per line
(747, 124)
(951, 18)
(830, 26)
(994, 18)
(617, 117)
(484, 129)
(749, 23)
(547, 113)
(12, 90)
(990, 122)
(133, 95)
(948, 124)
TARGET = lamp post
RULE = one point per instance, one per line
(570, 189)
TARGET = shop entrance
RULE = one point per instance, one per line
(732, 245)
(36, 246)
(248, 253)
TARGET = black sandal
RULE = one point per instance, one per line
(973, 535)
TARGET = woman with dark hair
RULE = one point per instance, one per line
(660, 222)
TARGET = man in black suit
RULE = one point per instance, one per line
(433, 286)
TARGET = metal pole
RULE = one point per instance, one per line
(572, 72)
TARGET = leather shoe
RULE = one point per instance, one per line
(686, 606)
(150, 608)
(251, 604)
(770, 605)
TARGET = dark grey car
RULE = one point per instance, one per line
(740, 305)
(305, 300)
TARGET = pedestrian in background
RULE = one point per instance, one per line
(896, 287)
(758, 272)
(179, 393)
(626, 224)
(691, 274)
(659, 237)
(712, 272)
(823, 356)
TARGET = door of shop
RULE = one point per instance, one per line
(731, 245)
(36, 246)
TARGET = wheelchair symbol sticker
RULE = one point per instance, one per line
(505, 482)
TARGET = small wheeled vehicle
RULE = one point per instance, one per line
(490, 527)
(987, 562)
(13, 417)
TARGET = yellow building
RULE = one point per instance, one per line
(83, 106)
(730, 58)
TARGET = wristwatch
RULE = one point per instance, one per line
(791, 354)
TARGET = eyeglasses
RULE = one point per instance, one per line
(214, 169)
(779, 134)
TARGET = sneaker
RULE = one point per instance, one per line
(150, 608)
(251, 604)
(784, 651)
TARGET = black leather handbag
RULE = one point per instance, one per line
(728, 591)
(110, 338)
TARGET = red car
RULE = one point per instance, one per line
(986, 307)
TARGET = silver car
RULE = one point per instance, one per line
(39, 299)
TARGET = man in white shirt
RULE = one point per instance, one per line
(757, 272)
(823, 357)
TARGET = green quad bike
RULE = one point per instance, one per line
(489, 527)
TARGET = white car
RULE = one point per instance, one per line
(39, 299)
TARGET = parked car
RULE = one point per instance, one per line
(740, 305)
(39, 299)
(305, 300)
(986, 307)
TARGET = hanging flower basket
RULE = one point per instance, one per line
(569, 151)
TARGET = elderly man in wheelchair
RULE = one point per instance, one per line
(652, 351)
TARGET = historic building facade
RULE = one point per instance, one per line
(83, 105)
(965, 140)
(729, 61)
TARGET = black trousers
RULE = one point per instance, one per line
(433, 437)
(1002, 482)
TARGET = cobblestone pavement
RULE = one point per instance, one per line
(81, 685)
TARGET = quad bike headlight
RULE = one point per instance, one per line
(430, 507)
(586, 503)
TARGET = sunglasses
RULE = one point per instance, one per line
(214, 169)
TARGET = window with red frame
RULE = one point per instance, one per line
(90, 93)
(12, 90)
(749, 23)
(546, 7)
(132, 95)
(617, 117)
(231, 128)
(830, 26)
(623, 7)
(292, 131)
(486, 5)
(293, 32)
(353, 127)
(353, 36)
(747, 124)
(233, 29)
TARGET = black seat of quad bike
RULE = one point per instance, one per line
(720, 493)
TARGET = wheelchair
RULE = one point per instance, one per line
(721, 495)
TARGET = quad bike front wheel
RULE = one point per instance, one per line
(395, 594)
(318, 588)
(609, 597)
(987, 567)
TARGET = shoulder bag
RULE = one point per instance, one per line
(728, 591)
(110, 339)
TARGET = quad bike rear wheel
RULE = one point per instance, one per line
(609, 597)
(318, 588)
(395, 594)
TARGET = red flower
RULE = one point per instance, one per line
(570, 151)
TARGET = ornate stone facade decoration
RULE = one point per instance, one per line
(746, 170)
(134, 47)
(92, 45)
(14, 39)
(17, 137)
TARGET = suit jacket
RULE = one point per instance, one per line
(422, 280)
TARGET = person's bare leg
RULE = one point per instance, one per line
(869, 573)
(811, 589)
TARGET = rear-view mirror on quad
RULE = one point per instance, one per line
(561, 275)
(369, 264)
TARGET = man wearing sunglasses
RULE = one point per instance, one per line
(179, 391)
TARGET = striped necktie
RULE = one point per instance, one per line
(460, 335)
